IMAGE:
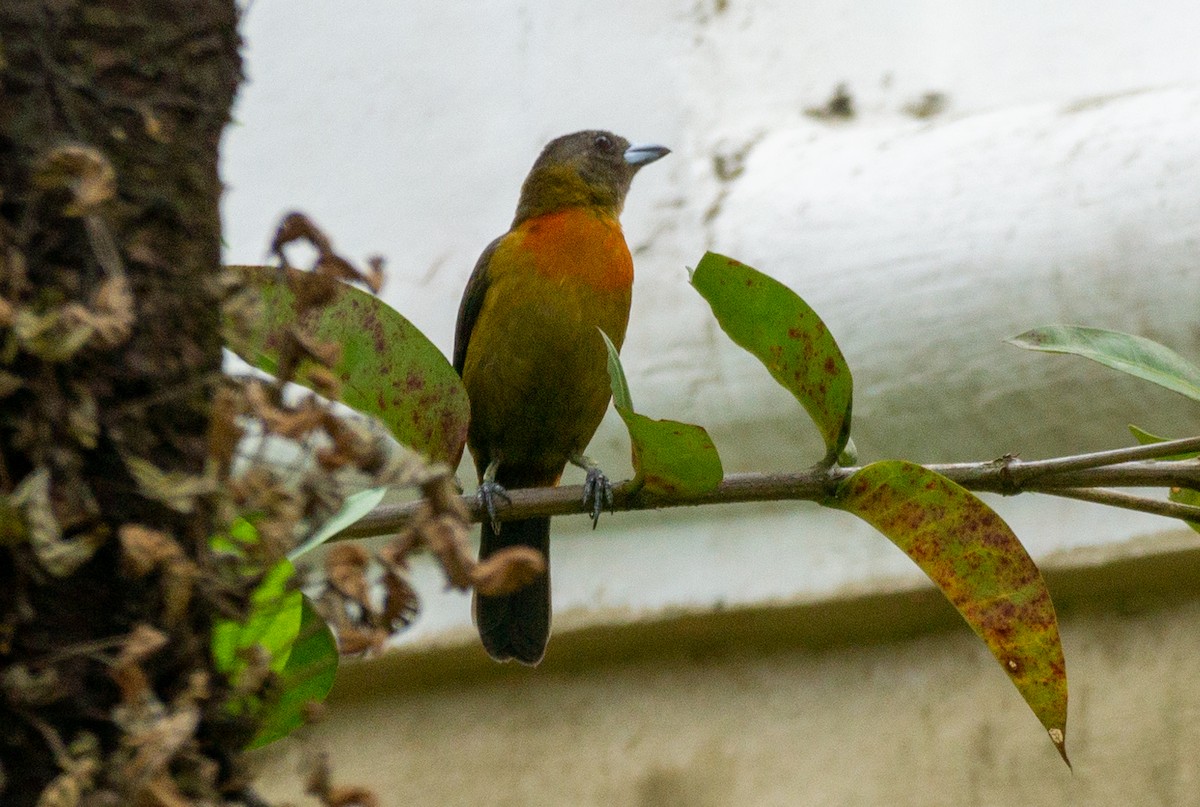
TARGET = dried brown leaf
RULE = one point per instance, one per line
(296, 226)
(224, 433)
(28, 687)
(319, 785)
(442, 492)
(326, 354)
(403, 545)
(175, 489)
(446, 538)
(83, 417)
(142, 643)
(400, 601)
(325, 382)
(112, 314)
(58, 556)
(508, 570)
(55, 335)
(373, 277)
(312, 290)
(145, 549)
(158, 745)
(81, 170)
(162, 791)
(346, 570)
(356, 639)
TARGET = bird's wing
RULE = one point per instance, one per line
(472, 302)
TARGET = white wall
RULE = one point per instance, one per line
(1059, 185)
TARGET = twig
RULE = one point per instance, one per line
(1067, 476)
(1127, 501)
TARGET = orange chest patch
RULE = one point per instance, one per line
(577, 245)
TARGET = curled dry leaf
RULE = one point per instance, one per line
(50, 335)
(356, 639)
(346, 569)
(508, 570)
(374, 274)
(81, 170)
(312, 290)
(325, 382)
(144, 550)
(69, 787)
(292, 423)
(326, 354)
(446, 538)
(26, 687)
(224, 433)
(83, 417)
(175, 489)
(400, 601)
(296, 226)
(320, 786)
(142, 643)
(159, 744)
(112, 311)
(57, 555)
(441, 491)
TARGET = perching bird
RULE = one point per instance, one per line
(532, 360)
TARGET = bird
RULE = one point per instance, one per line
(528, 348)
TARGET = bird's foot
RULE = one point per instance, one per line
(597, 493)
(487, 495)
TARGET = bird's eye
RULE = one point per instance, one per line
(603, 143)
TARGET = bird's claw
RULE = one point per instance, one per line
(487, 494)
(597, 493)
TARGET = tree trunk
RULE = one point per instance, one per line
(109, 355)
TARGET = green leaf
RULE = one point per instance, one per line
(1145, 438)
(389, 369)
(272, 624)
(307, 677)
(670, 459)
(1177, 495)
(1130, 354)
(354, 508)
(622, 399)
(981, 567)
(771, 321)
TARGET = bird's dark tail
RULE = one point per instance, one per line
(517, 625)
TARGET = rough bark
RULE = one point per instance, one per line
(143, 87)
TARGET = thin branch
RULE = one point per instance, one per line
(1116, 498)
(1067, 476)
(1098, 459)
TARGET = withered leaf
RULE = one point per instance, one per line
(400, 601)
(446, 538)
(145, 549)
(508, 570)
(82, 170)
(58, 556)
(52, 336)
(175, 489)
(346, 570)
